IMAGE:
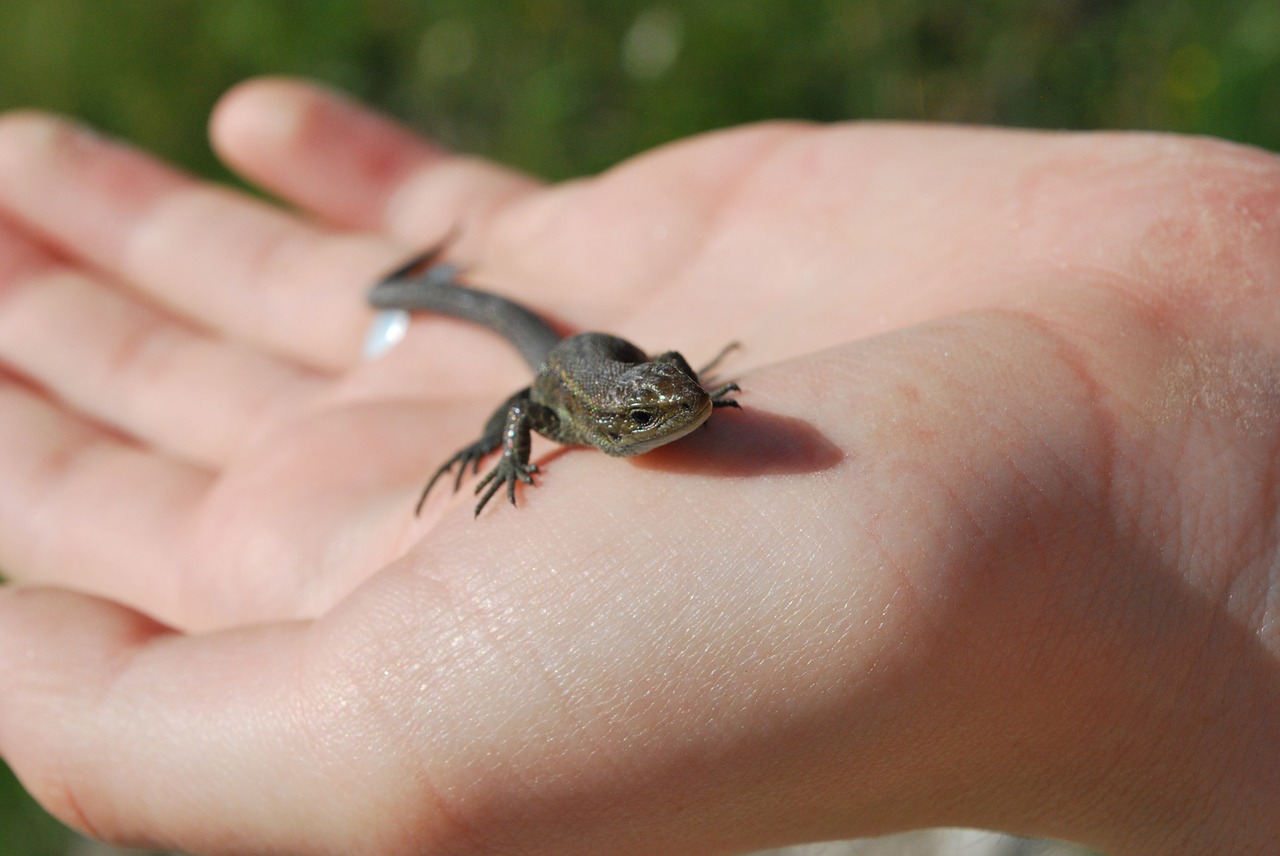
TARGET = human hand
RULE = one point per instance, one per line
(992, 542)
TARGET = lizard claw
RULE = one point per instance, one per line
(718, 394)
(472, 455)
(508, 471)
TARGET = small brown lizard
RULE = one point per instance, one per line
(591, 389)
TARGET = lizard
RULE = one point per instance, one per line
(588, 389)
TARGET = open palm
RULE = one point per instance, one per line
(971, 360)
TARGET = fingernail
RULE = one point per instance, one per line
(387, 329)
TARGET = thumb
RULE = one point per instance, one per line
(133, 733)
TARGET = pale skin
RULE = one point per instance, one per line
(993, 541)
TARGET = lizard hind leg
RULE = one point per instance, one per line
(719, 394)
(514, 464)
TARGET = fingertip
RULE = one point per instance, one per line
(76, 187)
(28, 134)
(265, 111)
(27, 127)
(315, 147)
(24, 133)
(352, 166)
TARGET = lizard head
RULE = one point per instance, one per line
(651, 404)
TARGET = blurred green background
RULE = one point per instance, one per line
(562, 88)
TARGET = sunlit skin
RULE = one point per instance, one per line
(992, 542)
(588, 389)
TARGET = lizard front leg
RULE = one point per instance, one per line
(719, 393)
(523, 414)
(491, 438)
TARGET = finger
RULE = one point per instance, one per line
(135, 368)
(84, 509)
(128, 732)
(218, 258)
(356, 168)
(278, 738)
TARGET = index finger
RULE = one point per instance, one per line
(353, 167)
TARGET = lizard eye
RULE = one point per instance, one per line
(641, 418)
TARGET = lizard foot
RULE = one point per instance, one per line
(718, 394)
(508, 471)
